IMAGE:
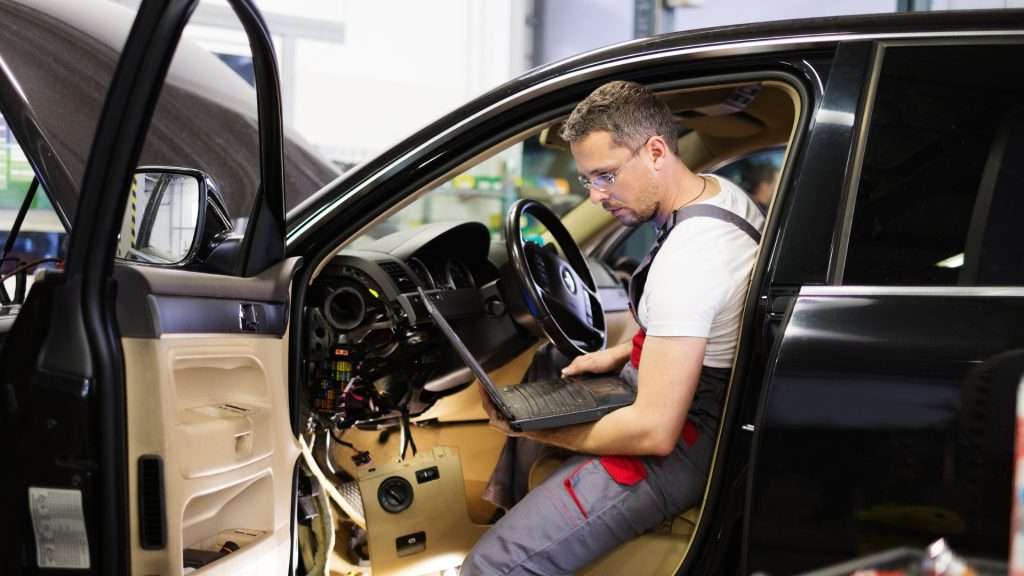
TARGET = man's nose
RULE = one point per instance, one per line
(597, 195)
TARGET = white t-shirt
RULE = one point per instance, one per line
(698, 280)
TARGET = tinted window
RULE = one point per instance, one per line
(942, 186)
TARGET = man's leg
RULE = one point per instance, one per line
(509, 481)
(581, 513)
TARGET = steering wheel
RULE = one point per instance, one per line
(558, 290)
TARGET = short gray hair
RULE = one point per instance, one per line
(628, 111)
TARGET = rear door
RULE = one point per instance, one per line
(887, 416)
(145, 406)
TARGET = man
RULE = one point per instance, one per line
(653, 456)
(763, 179)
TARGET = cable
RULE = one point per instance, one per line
(327, 453)
(349, 445)
(318, 563)
(405, 435)
(329, 427)
(327, 485)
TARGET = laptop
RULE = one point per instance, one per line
(545, 404)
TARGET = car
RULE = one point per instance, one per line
(290, 403)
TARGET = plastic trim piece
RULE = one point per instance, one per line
(152, 504)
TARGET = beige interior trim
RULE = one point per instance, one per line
(438, 510)
(216, 409)
(621, 327)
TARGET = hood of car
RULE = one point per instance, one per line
(58, 59)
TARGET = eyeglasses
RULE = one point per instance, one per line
(605, 180)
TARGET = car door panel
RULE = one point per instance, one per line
(157, 397)
(211, 401)
(888, 440)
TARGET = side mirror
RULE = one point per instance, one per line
(164, 221)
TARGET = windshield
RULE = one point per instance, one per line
(484, 193)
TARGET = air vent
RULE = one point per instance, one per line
(152, 523)
(399, 276)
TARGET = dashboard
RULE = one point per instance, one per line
(371, 349)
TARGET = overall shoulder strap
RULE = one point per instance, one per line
(639, 278)
(718, 213)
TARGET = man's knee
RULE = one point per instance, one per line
(488, 558)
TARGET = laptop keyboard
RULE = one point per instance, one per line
(553, 397)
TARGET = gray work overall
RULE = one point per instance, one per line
(592, 504)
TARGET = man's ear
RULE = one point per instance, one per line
(659, 151)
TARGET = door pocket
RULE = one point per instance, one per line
(224, 419)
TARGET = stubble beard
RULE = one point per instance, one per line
(646, 207)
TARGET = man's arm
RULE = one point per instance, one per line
(667, 380)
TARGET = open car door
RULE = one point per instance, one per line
(145, 411)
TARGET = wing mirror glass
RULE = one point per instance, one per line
(163, 221)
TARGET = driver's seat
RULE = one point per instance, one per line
(660, 551)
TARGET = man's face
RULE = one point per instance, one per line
(632, 197)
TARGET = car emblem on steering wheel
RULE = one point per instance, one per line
(568, 280)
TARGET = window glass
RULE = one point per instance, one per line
(484, 193)
(757, 174)
(942, 186)
(41, 237)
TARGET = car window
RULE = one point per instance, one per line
(41, 237)
(757, 174)
(942, 184)
(484, 192)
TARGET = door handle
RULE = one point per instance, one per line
(251, 317)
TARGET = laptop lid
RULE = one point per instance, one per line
(464, 352)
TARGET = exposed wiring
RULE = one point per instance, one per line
(306, 546)
(322, 529)
(405, 436)
(327, 536)
(327, 452)
(327, 485)
(361, 455)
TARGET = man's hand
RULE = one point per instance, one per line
(494, 417)
(600, 362)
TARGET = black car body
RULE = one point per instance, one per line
(871, 405)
